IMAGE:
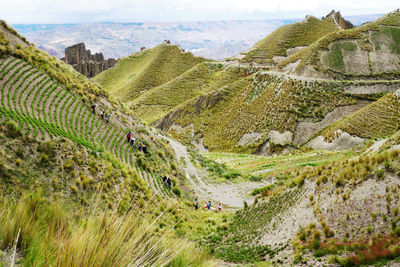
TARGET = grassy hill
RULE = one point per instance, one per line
(377, 120)
(144, 70)
(256, 103)
(342, 212)
(72, 190)
(290, 36)
(368, 51)
(197, 81)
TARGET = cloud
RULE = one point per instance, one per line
(56, 11)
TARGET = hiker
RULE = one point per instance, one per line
(107, 118)
(101, 114)
(144, 147)
(169, 182)
(133, 140)
(140, 146)
(128, 137)
(94, 108)
(196, 204)
(219, 207)
(208, 205)
(164, 180)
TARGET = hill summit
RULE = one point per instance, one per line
(343, 24)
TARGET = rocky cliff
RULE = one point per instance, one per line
(83, 61)
(341, 22)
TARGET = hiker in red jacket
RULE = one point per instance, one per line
(128, 137)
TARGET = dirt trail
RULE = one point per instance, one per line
(231, 195)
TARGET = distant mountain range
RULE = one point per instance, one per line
(210, 39)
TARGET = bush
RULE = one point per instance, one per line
(231, 175)
(177, 191)
(12, 129)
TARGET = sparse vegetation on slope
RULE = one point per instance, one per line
(144, 70)
(199, 80)
(253, 104)
(377, 120)
(289, 36)
(368, 51)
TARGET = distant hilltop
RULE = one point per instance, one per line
(84, 62)
(341, 22)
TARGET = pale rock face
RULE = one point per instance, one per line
(248, 139)
(356, 62)
(278, 138)
(342, 142)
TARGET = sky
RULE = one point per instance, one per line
(89, 11)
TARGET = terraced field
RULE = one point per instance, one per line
(46, 110)
(266, 165)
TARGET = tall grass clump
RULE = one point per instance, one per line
(50, 235)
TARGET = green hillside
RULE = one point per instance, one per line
(368, 51)
(377, 120)
(199, 80)
(74, 192)
(253, 104)
(72, 189)
(144, 70)
(289, 36)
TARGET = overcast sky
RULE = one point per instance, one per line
(86, 11)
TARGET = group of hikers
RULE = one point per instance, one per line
(207, 206)
(103, 115)
(142, 147)
(166, 180)
(132, 141)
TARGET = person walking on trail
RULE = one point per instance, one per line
(219, 207)
(164, 180)
(94, 108)
(133, 140)
(140, 146)
(101, 114)
(108, 118)
(196, 204)
(169, 182)
(128, 137)
(144, 149)
(209, 205)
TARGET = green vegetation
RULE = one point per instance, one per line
(267, 166)
(253, 104)
(197, 81)
(384, 31)
(377, 120)
(239, 241)
(139, 72)
(289, 36)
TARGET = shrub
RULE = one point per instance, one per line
(44, 158)
(396, 211)
(380, 173)
(12, 129)
(231, 175)
(74, 189)
(173, 166)
(177, 191)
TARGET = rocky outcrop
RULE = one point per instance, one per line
(84, 62)
(340, 21)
